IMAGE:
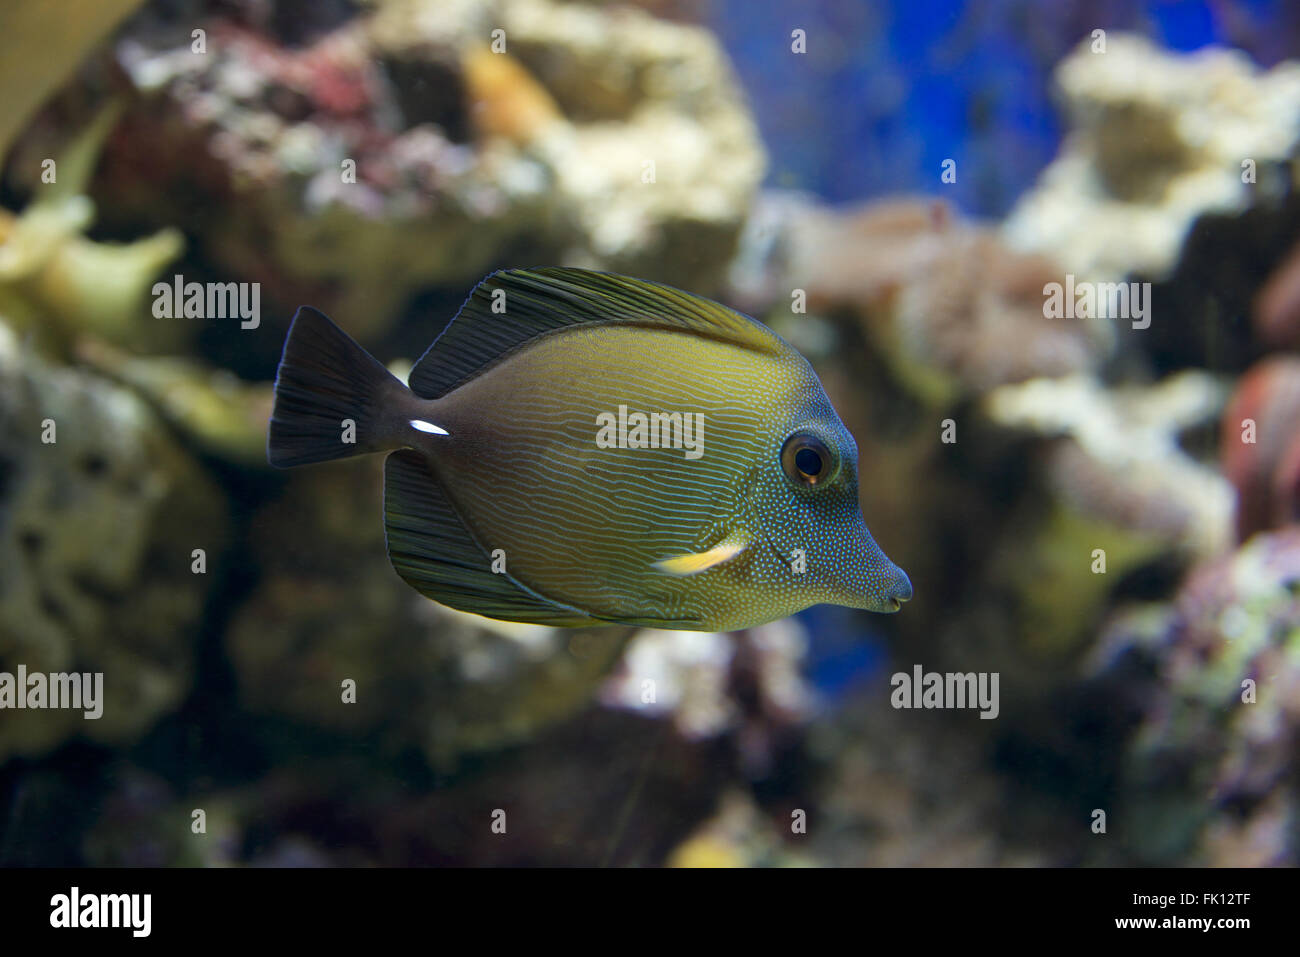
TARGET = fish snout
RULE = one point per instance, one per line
(899, 589)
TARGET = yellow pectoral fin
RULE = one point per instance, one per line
(728, 548)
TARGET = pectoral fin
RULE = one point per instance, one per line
(693, 564)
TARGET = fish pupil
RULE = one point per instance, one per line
(808, 462)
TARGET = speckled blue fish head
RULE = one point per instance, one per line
(805, 503)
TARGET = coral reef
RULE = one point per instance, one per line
(953, 311)
(403, 150)
(1119, 483)
(1156, 141)
(1179, 171)
(1209, 777)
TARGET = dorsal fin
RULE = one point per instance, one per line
(534, 302)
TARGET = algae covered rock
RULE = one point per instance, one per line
(100, 516)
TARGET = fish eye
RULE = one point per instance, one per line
(806, 459)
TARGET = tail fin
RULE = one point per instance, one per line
(326, 379)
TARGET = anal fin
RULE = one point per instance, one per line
(437, 555)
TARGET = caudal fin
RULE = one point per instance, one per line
(330, 396)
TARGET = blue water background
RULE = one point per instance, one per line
(889, 90)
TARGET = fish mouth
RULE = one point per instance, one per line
(897, 593)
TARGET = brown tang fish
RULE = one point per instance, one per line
(581, 448)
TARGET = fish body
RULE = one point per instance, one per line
(579, 448)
